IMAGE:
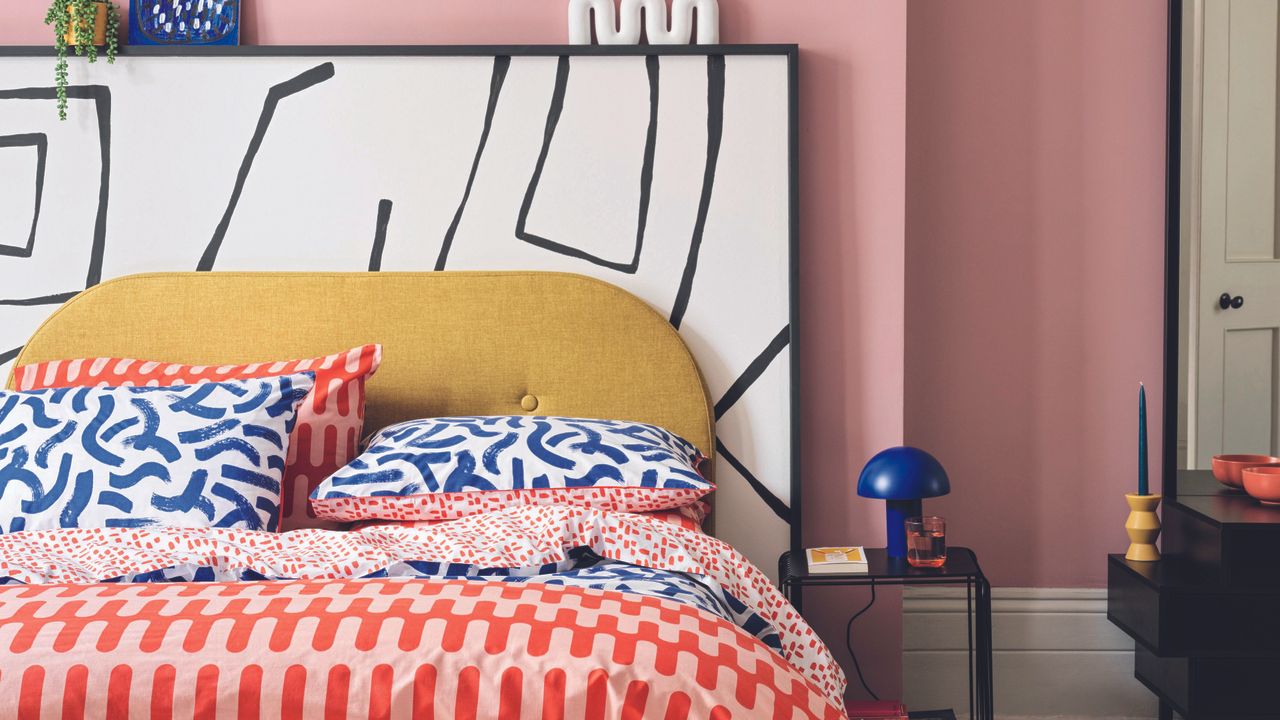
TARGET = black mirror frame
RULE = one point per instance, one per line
(1173, 177)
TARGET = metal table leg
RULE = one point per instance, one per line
(986, 683)
(791, 590)
(968, 622)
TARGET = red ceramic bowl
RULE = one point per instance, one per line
(1226, 468)
(1263, 483)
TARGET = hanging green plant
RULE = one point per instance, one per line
(85, 25)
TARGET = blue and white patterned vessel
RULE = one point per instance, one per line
(184, 22)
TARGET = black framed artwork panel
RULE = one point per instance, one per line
(667, 170)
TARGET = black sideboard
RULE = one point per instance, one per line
(1206, 617)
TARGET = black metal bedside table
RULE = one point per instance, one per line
(961, 569)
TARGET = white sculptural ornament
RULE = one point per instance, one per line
(621, 26)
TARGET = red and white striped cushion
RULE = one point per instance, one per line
(325, 438)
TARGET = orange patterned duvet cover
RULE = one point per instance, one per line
(624, 616)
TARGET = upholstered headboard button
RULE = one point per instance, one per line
(529, 403)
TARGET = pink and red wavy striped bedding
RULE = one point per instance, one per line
(383, 648)
(359, 633)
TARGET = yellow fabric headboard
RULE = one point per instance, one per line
(454, 343)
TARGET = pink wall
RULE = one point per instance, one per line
(853, 117)
(1034, 279)
(1017, 146)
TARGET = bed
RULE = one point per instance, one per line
(536, 611)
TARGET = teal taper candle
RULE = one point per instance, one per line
(1142, 440)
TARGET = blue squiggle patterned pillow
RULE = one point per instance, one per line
(205, 455)
(446, 468)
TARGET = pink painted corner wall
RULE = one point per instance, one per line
(1034, 246)
(1017, 147)
(853, 130)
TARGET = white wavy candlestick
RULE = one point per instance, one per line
(616, 26)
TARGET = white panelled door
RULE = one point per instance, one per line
(1237, 329)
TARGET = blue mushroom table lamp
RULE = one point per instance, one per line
(902, 477)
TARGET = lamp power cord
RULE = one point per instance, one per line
(848, 643)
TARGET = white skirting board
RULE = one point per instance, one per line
(1056, 655)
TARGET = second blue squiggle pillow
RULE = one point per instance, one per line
(446, 468)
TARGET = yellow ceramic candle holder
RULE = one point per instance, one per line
(1143, 527)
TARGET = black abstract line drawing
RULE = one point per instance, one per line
(715, 131)
(735, 400)
(380, 235)
(736, 390)
(778, 507)
(40, 142)
(501, 64)
(56, 299)
(646, 173)
(101, 97)
(754, 370)
(278, 92)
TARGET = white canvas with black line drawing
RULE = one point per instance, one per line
(668, 175)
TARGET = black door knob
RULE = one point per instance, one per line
(1226, 301)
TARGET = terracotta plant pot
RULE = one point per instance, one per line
(99, 25)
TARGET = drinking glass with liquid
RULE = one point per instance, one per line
(927, 542)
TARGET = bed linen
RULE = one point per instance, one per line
(448, 467)
(206, 455)
(532, 611)
(329, 424)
